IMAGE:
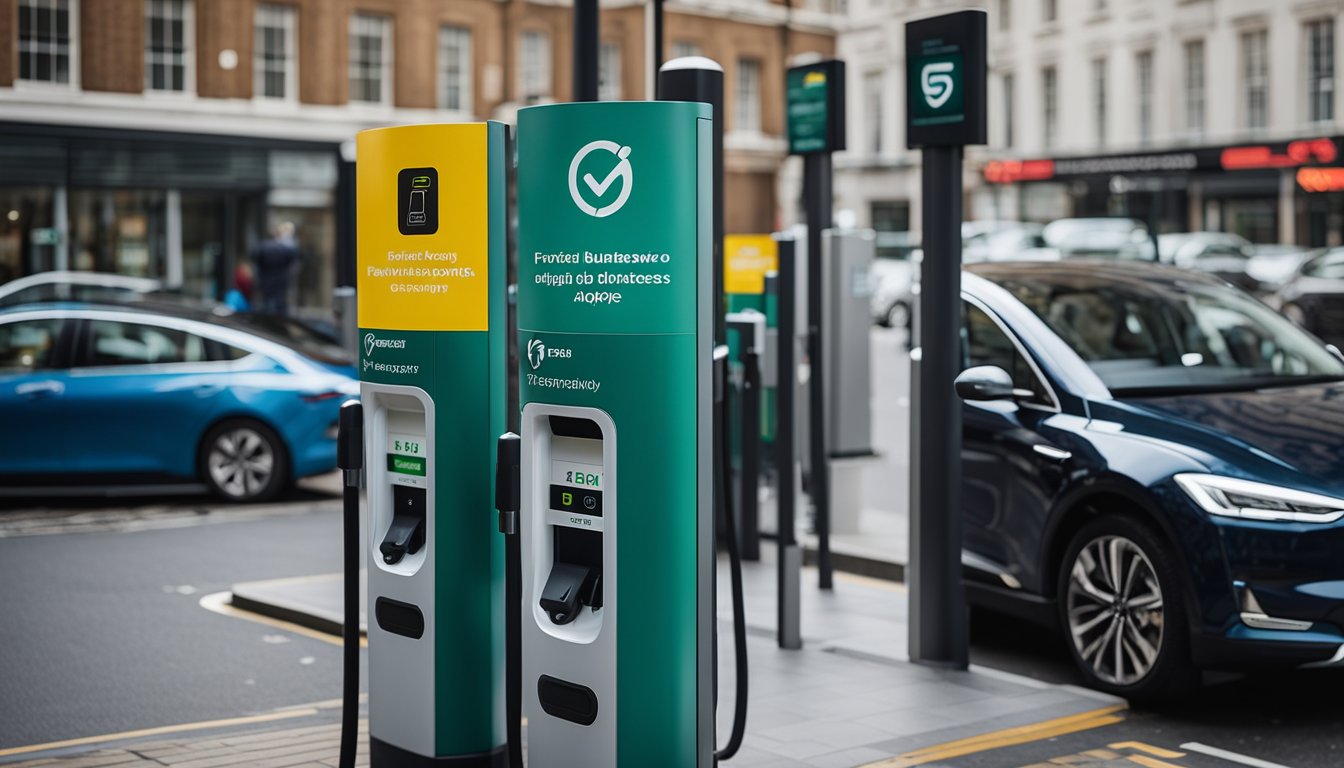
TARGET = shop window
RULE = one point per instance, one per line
(747, 96)
(1143, 62)
(1099, 99)
(47, 40)
(168, 45)
(370, 59)
(872, 97)
(1008, 98)
(455, 69)
(275, 55)
(1049, 107)
(609, 72)
(682, 48)
(1321, 71)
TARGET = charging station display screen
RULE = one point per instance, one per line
(576, 487)
(406, 459)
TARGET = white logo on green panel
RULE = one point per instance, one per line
(536, 352)
(621, 171)
(936, 81)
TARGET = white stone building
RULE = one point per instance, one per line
(1188, 114)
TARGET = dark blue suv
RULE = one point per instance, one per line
(1154, 462)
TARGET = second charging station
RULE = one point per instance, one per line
(614, 339)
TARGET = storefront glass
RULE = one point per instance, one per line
(27, 236)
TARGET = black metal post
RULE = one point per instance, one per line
(658, 57)
(817, 201)
(585, 50)
(350, 459)
(788, 632)
(938, 633)
(749, 474)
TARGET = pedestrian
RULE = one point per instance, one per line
(239, 297)
(276, 261)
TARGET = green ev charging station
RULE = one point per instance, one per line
(615, 336)
(433, 371)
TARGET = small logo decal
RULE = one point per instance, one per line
(368, 345)
(936, 81)
(536, 352)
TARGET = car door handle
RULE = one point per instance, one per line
(36, 389)
(1051, 452)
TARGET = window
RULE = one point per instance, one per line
(1194, 86)
(1005, 15)
(1049, 106)
(872, 98)
(168, 45)
(114, 343)
(1008, 110)
(535, 71)
(683, 48)
(1321, 71)
(370, 59)
(275, 62)
(455, 69)
(609, 72)
(1255, 78)
(985, 343)
(1143, 62)
(47, 41)
(28, 345)
(1099, 99)
(747, 98)
(1049, 10)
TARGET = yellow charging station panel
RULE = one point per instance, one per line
(423, 227)
(746, 259)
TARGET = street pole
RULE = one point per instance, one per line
(945, 111)
(938, 633)
(817, 202)
(790, 560)
(585, 50)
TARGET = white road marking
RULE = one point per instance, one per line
(1231, 757)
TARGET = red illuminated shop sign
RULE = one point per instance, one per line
(1321, 179)
(1292, 154)
(1009, 171)
(1303, 152)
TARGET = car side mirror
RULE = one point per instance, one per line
(984, 382)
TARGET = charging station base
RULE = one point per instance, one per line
(382, 753)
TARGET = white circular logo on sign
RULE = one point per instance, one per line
(622, 171)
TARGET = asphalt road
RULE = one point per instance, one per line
(103, 631)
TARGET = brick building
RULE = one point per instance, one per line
(159, 137)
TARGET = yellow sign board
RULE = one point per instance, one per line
(746, 259)
(423, 227)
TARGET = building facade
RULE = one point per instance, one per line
(1187, 114)
(160, 137)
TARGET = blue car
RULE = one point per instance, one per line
(117, 396)
(1153, 462)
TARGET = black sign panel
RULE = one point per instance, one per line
(815, 94)
(946, 74)
(418, 201)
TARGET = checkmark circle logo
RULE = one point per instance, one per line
(623, 172)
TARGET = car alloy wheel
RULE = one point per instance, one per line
(241, 462)
(1115, 610)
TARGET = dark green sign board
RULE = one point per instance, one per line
(816, 107)
(945, 85)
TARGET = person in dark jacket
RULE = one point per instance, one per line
(275, 262)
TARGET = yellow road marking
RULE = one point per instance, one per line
(219, 603)
(1006, 737)
(163, 729)
(1151, 762)
(1147, 749)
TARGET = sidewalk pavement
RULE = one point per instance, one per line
(850, 697)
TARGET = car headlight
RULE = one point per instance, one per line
(1231, 497)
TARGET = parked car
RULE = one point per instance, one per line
(1275, 264)
(1007, 243)
(1116, 238)
(1153, 462)
(109, 395)
(1225, 254)
(891, 296)
(1314, 297)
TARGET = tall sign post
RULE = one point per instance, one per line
(816, 121)
(945, 111)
